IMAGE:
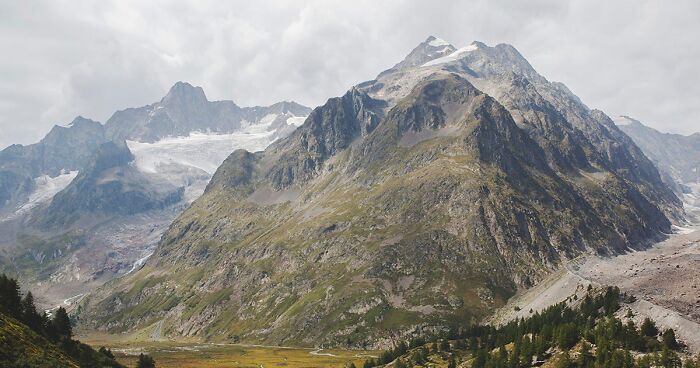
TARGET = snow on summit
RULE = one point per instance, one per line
(437, 42)
(456, 55)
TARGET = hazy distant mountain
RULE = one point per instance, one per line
(677, 156)
(109, 185)
(427, 195)
(83, 206)
(64, 149)
(185, 109)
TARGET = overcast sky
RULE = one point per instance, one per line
(67, 58)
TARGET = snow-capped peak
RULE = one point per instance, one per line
(437, 42)
(456, 55)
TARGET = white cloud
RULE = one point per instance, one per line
(65, 58)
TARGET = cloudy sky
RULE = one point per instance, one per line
(67, 58)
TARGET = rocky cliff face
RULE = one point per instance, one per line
(413, 200)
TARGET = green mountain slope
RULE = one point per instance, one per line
(30, 339)
(22, 347)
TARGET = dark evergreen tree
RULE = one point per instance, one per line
(473, 344)
(61, 323)
(649, 328)
(669, 338)
(145, 361)
(480, 359)
(567, 336)
(29, 314)
(108, 353)
(669, 359)
(10, 300)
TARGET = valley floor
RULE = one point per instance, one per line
(664, 279)
(186, 355)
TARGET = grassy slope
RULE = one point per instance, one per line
(27, 346)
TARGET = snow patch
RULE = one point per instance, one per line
(46, 188)
(268, 119)
(204, 151)
(438, 42)
(296, 121)
(456, 55)
(190, 161)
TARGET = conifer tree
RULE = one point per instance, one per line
(10, 300)
(29, 314)
(648, 328)
(669, 338)
(61, 323)
(145, 361)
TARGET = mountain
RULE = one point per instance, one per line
(64, 149)
(430, 49)
(109, 185)
(677, 156)
(89, 201)
(428, 195)
(185, 109)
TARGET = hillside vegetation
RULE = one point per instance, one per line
(29, 339)
(583, 333)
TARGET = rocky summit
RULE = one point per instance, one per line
(426, 196)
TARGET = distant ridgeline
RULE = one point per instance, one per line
(588, 335)
(30, 339)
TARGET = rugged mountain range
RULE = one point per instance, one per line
(185, 109)
(89, 201)
(677, 156)
(429, 194)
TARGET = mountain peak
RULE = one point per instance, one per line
(80, 120)
(183, 92)
(430, 49)
(436, 42)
